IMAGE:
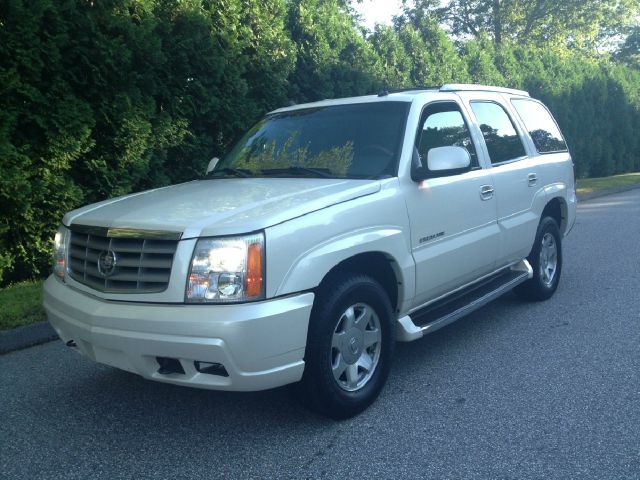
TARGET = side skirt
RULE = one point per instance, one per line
(458, 304)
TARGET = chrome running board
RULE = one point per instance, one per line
(451, 308)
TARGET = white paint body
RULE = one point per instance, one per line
(310, 226)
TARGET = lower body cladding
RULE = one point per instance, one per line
(243, 347)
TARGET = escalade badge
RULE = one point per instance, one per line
(107, 263)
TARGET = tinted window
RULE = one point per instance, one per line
(544, 132)
(345, 141)
(503, 142)
(444, 126)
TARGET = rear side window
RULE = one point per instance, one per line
(500, 135)
(543, 129)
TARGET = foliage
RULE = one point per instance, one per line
(629, 53)
(99, 99)
(417, 53)
(21, 305)
(333, 59)
(582, 23)
(337, 159)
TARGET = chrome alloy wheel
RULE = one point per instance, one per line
(355, 347)
(548, 259)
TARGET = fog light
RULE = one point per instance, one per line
(169, 366)
(211, 368)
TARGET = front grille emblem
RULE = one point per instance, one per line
(107, 263)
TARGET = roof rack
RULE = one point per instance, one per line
(387, 91)
(465, 87)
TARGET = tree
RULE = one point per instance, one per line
(227, 63)
(44, 131)
(629, 52)
(396, 62)
(333, 58)
(581, 23)
(433, 56)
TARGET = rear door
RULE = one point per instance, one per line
(553, 161)
(515, 171)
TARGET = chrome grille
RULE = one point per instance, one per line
(142, 264)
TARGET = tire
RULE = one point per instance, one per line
(350, 343)
(546, 260)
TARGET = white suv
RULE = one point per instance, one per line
(327, 233)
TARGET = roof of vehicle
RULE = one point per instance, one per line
(404, 95)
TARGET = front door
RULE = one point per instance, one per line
(454, 232)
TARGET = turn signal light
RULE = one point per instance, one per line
(253, 282)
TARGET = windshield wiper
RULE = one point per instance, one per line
(238, 172)
(296, 170)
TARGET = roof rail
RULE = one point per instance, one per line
(465, 87)
(386, 91)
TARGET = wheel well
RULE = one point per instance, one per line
(374, 264)
(557, 210)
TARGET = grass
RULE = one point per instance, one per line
(21, 304)
(590, 185)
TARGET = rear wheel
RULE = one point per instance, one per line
(349, 346)
(546, 260)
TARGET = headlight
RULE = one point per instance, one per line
(229, 269)
(60, 252)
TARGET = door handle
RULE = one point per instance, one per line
(533, 179)
(486, 192)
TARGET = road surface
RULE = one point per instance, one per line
(516, 390)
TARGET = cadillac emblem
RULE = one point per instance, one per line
(107, 263)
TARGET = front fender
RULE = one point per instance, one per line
(302, 251)
(310, 268)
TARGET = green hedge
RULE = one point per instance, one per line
(103, 98)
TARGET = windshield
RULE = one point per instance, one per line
(344, 141)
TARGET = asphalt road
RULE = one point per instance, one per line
(516, 390)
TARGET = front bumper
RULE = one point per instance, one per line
(261, 345)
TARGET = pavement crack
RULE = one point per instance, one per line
(321, 452)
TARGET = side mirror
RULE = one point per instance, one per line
(448, 158)
(212, 164)
(443, 161)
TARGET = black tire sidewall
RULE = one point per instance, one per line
(539, 290)
(322, 392)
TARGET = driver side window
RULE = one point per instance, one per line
(443, 125)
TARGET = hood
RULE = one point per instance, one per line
(223, 206)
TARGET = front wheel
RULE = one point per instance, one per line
(546, 260)
(349, 346)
